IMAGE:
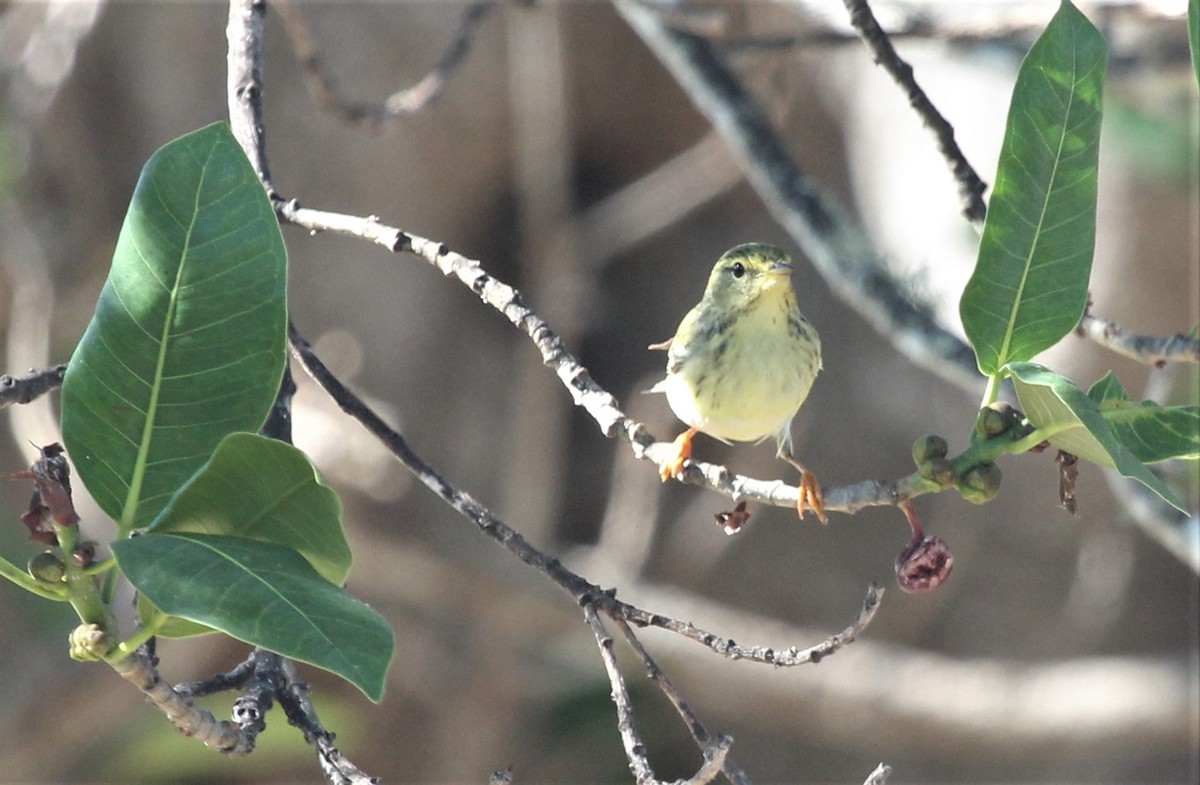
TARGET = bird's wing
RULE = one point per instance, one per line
(684, 343)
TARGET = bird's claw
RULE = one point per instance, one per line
(682, 447)
(811, 497)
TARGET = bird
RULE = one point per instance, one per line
(742, 362)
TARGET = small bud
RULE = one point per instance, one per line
(47, 567)
(981, 483)
(89, 643)
(85, 554)
(924, 565)
(929, 447)
(998, 418)
(939, 470)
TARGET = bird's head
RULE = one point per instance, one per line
(744, 274)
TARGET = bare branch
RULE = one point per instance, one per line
(879, 776)
(635, 749)
(762, 654)
(408, 101)
(29, 386)
(1152, 350)
(224, 736)
(244, 82)
(715, 752)
(708, 746)
(221, 682)
(293, 696)
(970, 187)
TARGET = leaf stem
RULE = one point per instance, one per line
(137, 639)
(1027, 443)
(82, 591)
(99, 567)
(992, 392)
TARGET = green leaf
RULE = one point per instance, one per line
(1073, 423)
(187, 342)
(1029, 287)
(264, 594)
(263, 489)
(1151, 432)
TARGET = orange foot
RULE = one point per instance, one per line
(683, 451)
(811, 496)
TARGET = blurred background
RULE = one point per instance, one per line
(564, 157)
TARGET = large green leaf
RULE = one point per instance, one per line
(1073, 423)
(1151, 432)
(263, 489)
(187, 342)
(1029, 287)
(264, 594)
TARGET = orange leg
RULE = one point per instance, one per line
(683, 451)
(811, 495)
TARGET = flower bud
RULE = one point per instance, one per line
(89, 643)
(939, 470)
(47, 567)
(980, 483)
(996, 419)
(929, 447)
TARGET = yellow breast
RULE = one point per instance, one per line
(748, 382)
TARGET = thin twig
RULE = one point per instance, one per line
(635, 749)
(221, 682)
(402, 103)
(785, 658)
(31, 385)
(1153, 350)
(970, 187)
(293, 695)
(707, 744)
(879, 776)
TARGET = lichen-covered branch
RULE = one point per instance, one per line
(30, 385)
(1157, 350)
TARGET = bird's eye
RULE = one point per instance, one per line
(738, 270)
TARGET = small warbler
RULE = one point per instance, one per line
(743, 360)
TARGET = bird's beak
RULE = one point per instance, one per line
(779, 269)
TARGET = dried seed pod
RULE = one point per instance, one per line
(732, 522)
(924, 565)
